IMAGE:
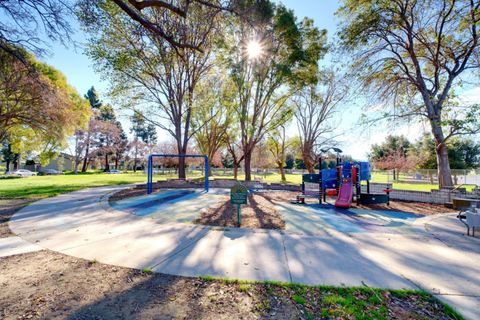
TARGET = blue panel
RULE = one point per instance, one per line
(329, 178)
(365, 173)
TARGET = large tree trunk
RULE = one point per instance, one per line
(135, 157)
(235, 170)
(107, 165)
(307, 151)
(444, 171)
(282, 171)
(247, 160)
(87, 150)
(85, 160)
(309, 165)
(181, 168)
(443, 165)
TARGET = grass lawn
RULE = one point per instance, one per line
(49, 186)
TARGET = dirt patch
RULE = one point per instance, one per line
(7, 208)
(260, 212)
(49, 285)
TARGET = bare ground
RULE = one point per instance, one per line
(49, 285)
(7, 208)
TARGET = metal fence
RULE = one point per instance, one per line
(423, 176)
(427, 176)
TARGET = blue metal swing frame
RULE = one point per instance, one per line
(150, 167)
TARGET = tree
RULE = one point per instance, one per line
(462, 153)
(278, 145)
(143, 134)
(8, 156)
(23, 21)
(148, 70)
(392, 144)
(109, 138)
(289, 161)
(234, 149)
(141, 12)
(38, 108)
(393, 154)
(316, 105)
(95, 105)
(212, 117)
(288, 53)
(410, 54)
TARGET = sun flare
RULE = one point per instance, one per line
(254, 49)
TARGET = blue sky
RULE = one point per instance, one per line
(356, 140)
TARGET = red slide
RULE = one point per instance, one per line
(344, 199)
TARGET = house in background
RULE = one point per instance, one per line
(64, 162)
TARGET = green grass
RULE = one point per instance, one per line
(147, 270)
(342, 302)
(49, 186)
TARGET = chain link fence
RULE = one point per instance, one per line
(426, 176)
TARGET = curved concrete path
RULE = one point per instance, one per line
(436, 257)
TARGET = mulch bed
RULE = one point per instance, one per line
(260, 212)
(410, 207)
(50, 285)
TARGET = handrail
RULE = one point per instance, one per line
(451, 190)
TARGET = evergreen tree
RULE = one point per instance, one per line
(95, 104)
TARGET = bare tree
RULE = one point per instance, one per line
(152, 73)
(315, 109)
(410, 55)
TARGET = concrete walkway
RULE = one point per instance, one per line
(16, 245)
(434, 255)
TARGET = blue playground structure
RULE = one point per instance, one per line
(343, 182)
(150, 167)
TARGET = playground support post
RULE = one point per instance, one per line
(320, 182)
(150, 168)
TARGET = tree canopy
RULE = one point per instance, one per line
(410, 54)
(39, 110)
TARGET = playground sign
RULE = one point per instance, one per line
(238, 196)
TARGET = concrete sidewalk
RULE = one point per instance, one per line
(435, 257)
(15, 245)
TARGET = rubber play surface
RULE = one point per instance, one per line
(185, 205)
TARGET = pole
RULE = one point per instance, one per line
(239, 215)
(149, 174)
(206, 174)
(320, 182)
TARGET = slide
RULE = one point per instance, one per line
(344, 199)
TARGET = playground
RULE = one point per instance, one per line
(324, 205)
(269, 210)
(331, 232)
(320, 244)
